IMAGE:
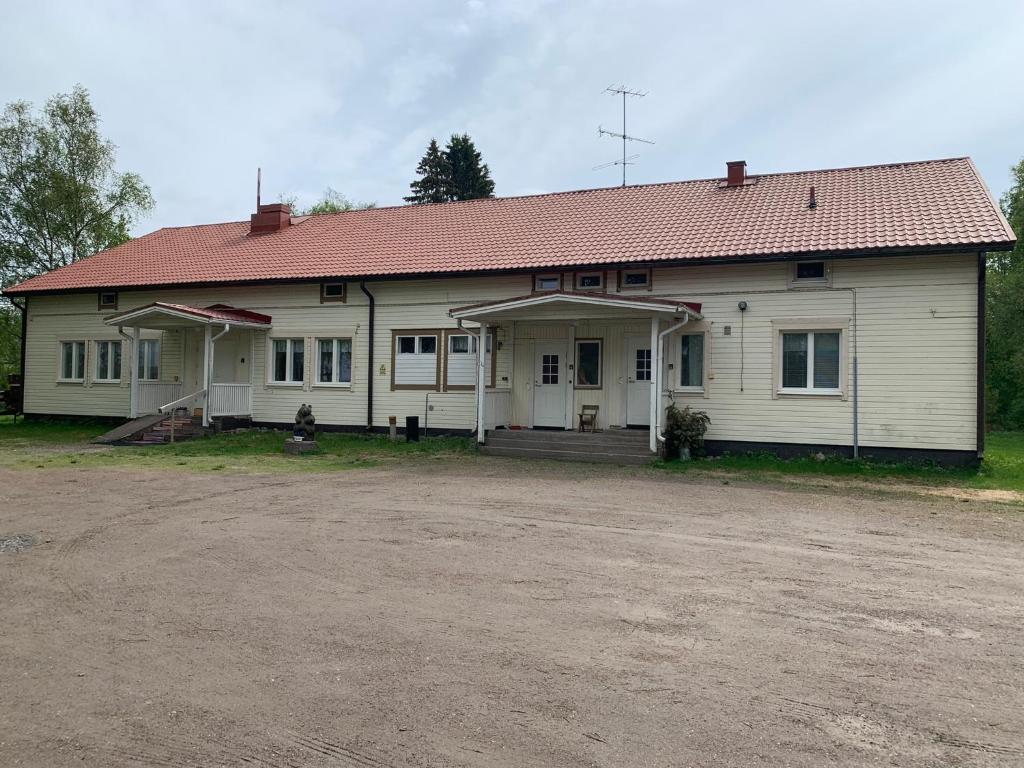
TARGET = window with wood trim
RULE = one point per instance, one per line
(108, 361)
(461, 358)
(72, 361)
(149, 359)
(589, 281)
(332, 292)
(107, 300)
(547, 282)
(634, 279)
(287, 361)
(334, 362)
(588, 364)
(415, 362)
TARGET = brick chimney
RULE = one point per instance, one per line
(735, 173)
(270, 218)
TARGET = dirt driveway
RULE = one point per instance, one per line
(502, 614)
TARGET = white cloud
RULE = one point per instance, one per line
(196, 95)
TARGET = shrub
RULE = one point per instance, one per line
(684, 432)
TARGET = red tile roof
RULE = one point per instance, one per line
(213, 312)
(908, 206)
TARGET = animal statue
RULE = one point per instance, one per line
(305, 423)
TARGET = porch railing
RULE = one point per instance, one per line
(193, 398)
(153, 394)
(230, 400)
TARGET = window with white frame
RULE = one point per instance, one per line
(588, 363)
(414, 363)
(590, 281)
(149, 359)
(334, 361)
(288, 361)
(460, 361)
(108, 361)
(691, 361)
(551, 282)
(810, 274)
(72, 361)
(810, 362)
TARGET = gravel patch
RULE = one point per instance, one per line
(16, 543)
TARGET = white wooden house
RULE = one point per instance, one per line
(833, 310)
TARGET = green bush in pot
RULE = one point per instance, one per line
(684, 432)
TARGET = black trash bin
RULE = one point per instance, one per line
(412, 429)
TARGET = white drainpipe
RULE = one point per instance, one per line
(479, 380)
(657, 374)
(208, 384)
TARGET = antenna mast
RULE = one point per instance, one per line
(259, 173)
(624, 92)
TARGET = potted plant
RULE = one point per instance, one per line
(684, 432)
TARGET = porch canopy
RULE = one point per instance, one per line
(573, 305)
(166, 316)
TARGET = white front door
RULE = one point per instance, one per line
(638, 381)
(550, 384)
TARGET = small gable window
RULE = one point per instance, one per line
(589, 281)
(810, 274)
(108, 300)
(635, 280)
(547, 282)
(332, 292)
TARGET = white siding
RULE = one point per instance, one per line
(916, 333)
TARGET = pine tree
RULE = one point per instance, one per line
(470, 177)
(455, 173)
(433, 184)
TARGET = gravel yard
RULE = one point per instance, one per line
(502, 613)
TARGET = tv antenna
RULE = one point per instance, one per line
(624, 92)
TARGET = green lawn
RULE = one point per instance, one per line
(55, 444)
(1003, 468)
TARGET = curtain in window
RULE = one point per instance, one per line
(826, 361)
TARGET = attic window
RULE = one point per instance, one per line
(551, 282)
(589, 281)
(810, 274)
(107, 300)
(332, 292)
(635, 279)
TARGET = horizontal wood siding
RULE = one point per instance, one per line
(916, 332)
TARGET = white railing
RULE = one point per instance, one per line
(194, 399)
(153, 394)
(230, 400)
(497, 408)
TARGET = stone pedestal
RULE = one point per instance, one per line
(296, 448)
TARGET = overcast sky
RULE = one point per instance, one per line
(196, 95)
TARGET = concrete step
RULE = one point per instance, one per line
(594, 456)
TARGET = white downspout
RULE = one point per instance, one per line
(208, 368)
(661, 342)
(479, 381)
(133, 366)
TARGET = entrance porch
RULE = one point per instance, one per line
(576, 349)
(214, 365)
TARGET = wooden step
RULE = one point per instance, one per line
(594, 456)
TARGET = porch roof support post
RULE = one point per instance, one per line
(655, 386)
(133, 385)
(207, 359)
(481, 382)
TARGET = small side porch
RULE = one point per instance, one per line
(214, 365)
(570, 350)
